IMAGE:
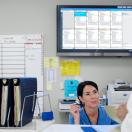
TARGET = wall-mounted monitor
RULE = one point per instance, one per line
(89, 30)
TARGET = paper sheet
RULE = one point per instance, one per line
(70, 68)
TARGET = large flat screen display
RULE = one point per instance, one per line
(94, 30)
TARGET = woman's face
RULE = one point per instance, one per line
(90, 96)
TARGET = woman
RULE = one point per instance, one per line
(90, 113)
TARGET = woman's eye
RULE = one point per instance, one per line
(86, 94)
(94, 91)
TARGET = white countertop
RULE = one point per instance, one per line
(77, 128)
(35, 126)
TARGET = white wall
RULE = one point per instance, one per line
(39, 16)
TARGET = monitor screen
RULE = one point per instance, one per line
(94, 30)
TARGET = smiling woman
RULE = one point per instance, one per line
(90, 112)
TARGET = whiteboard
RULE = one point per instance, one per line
(22, 56)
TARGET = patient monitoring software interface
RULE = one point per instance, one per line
(97, 28)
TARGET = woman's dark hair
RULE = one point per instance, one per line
(82, 85)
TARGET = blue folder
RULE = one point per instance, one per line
(0, 97)
(17, 101)
(6, 102)
(25, 90)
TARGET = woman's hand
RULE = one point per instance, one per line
(75, 112)
(122, 111)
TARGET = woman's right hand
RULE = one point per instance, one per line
(74, 110)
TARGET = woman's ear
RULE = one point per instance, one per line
(81, 99)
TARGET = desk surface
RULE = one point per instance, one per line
(35, 126)
(77, 128)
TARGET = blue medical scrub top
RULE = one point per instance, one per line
(103, 118)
